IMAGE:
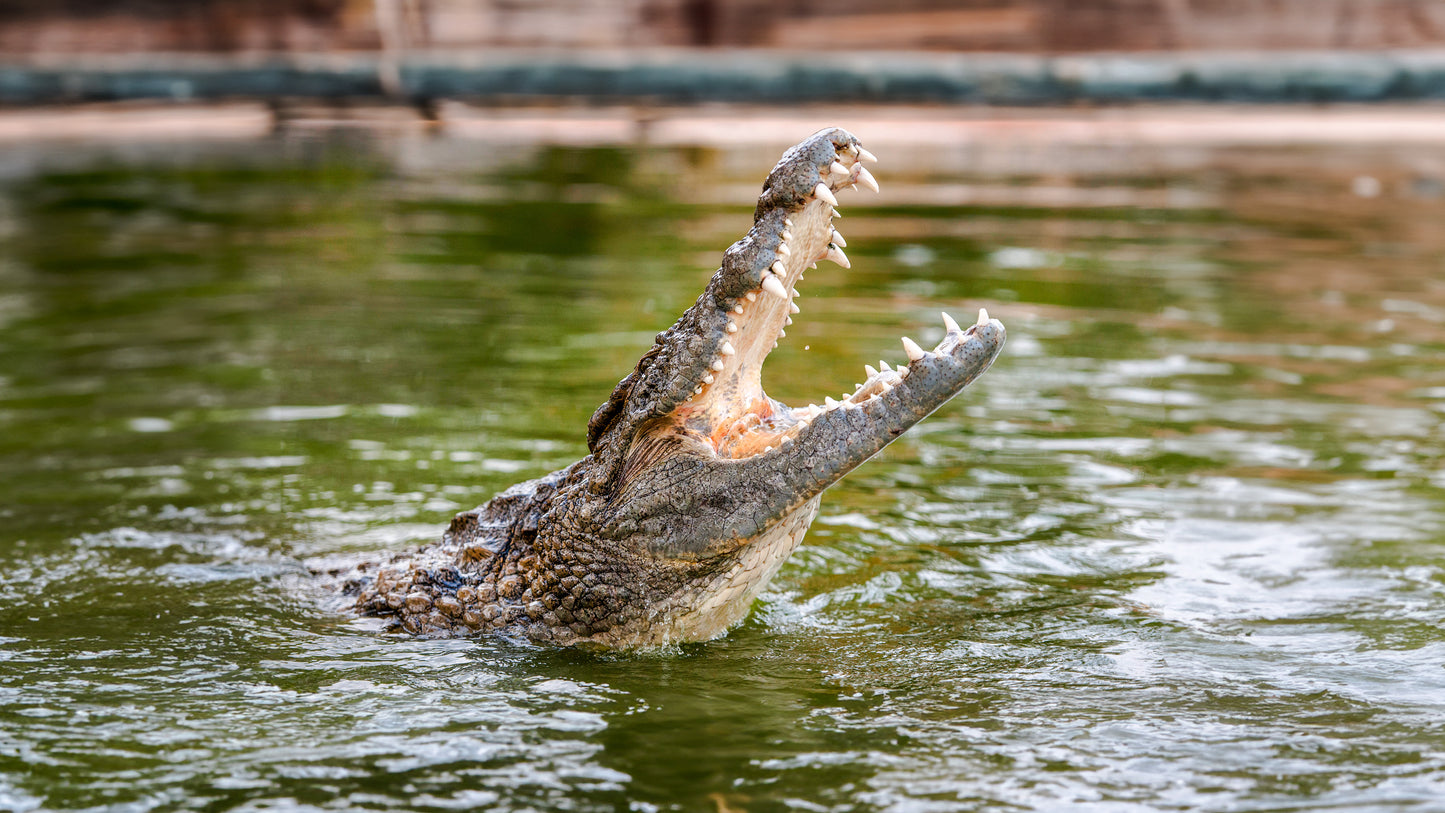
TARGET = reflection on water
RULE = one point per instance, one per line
(1180, 549)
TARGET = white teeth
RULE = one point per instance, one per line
(866, 178)
(830, 402)
(786, 440)
(814, 411)
(697, 390)
(903, 371)
(837, 168)
(793, 306)
(738, 308)
(787, 235)
(708, 379)
(838, 238)
(912, 349)
(732, 327)
(837, 213)
(866, 155)
(787, 320)
(717, 365)
(857, 387)
(871, 370)
(950, 325)
(836, 255)
(982, 317)
(782, 333)
(751, 297)
(783, 250)
(787, 222)
(773, 286)
(883, 365)
(727, 349)
(825, 194)
(779, 269)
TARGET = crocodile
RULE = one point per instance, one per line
(697, 486)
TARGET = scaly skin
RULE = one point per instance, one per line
(698, 485)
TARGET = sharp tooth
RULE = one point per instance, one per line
(866, 155)
(866, 178)
(787, 222)
(783, 250)
(825, 194)
(773, 286)
(717, 365)
(903, 371)
(751, 296)
(912, 349)
(732, 327)
(767, 449)
(950, 325)
(738, 308)
(786, 440)
(727, 349)
(871, 370)
(782, 333)
(779, 269)
(883, 365)
(787, 235)
(708, 379)
(982, 317)
(838, 169)
(697, 390)
(787, 320)
(814, 411)
(836, 255)
(812, 265)
(837, 213)
(830, 402)
(838, 238)
(793, 306)
(857, 387)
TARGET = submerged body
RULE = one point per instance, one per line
(697, 485)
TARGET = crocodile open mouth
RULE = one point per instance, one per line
(728, 411)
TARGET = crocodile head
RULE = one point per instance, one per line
(697, 463)
(698, 484)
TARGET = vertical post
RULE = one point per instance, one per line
(392, 29)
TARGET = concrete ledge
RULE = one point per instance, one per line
(692, 76)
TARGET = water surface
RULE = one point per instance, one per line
(1181, 549)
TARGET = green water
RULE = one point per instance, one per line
(1183, 548)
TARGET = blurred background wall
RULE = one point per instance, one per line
(40, 27)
